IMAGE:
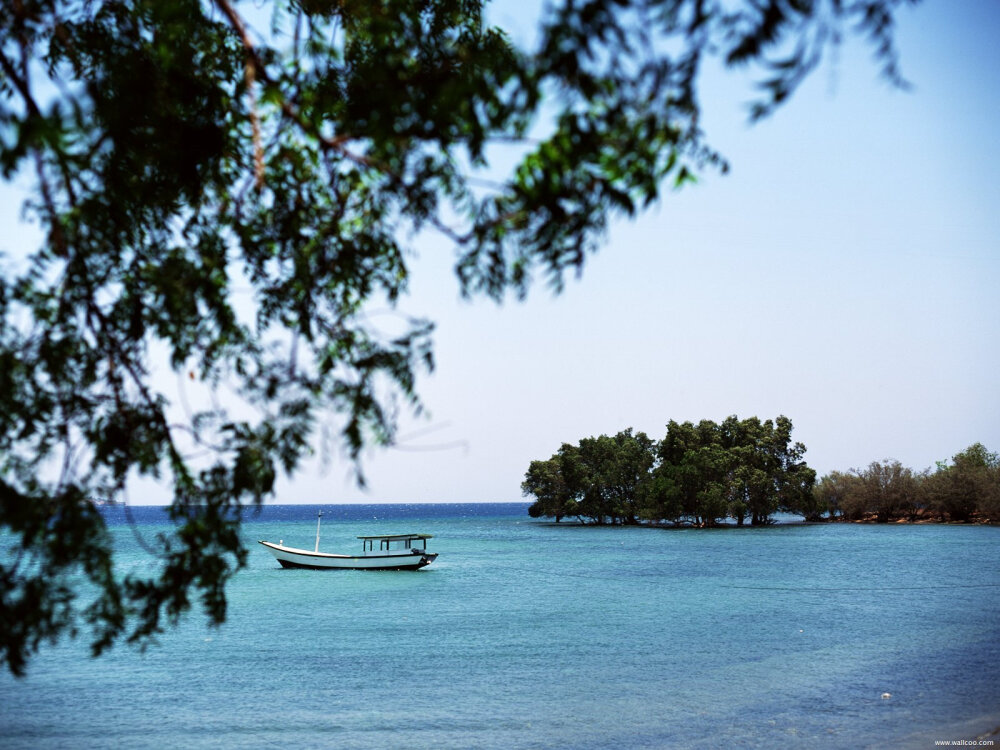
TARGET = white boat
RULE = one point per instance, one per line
(395, 552)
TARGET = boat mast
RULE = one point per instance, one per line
(318, 517)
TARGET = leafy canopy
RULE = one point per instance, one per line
(966, 489)
(698, 475)
(235, 197)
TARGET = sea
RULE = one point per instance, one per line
(525, 633)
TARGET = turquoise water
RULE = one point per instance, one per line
(527, 634)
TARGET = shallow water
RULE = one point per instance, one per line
(527, 634)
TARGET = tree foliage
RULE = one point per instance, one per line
(885, 488)
(970, 484)
(179, 155)
(831, 493)
(608, 476)
(698, 474)
(966, 489)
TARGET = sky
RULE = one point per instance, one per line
(844, 273)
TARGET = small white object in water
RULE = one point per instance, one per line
(886, 696)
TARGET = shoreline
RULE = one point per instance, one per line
(730, 524)
(975, 520)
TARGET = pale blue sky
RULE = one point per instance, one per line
(845, 274)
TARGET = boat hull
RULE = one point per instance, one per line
(291, 557)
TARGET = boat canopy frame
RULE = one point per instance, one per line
(368, 542)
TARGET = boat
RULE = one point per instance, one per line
(394, 552)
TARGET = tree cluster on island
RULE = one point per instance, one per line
(699, 474)
(965, 489)
(708, 474)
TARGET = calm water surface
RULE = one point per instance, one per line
(527, 634)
